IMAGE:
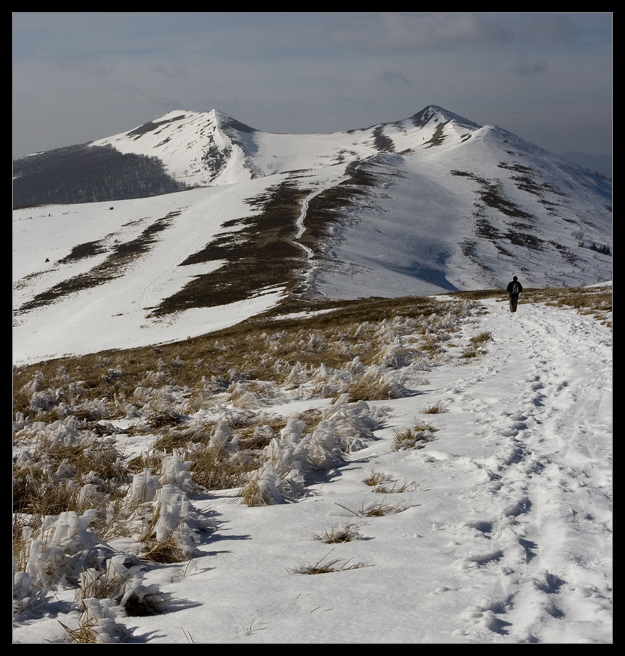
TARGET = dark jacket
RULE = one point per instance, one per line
(510, 287)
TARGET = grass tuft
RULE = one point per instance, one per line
(434, 409)
(414, 438)
(323, 566)
(338, 534)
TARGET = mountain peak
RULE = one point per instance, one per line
(437, 114)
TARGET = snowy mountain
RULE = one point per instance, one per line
(193, 214)
(258, 484)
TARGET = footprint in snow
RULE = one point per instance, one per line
(484, 617)
(479, 559)
(519, 507)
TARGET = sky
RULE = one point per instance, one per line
(82, 76)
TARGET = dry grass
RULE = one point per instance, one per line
(323, 566)
(24, 527)
(338, 534)
(375, 479)
(393, 489)
(376, 509)
(101, 585)
(256, 350)
(213, 470)
(380, 509)
(84, 633)
(593, 301)
(166, 551)
(370, 387)
(413, 438)
(475, 348)
(161, 387)
(434, 409)
(53, 479)
(480, 339)
(249, 362)
(431, 345)
(251, 494)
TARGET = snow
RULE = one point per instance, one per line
(502, 535)
(123, 304)
(502, 530)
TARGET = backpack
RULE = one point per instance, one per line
(516, 288)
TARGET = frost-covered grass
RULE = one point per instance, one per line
(110, 449)
(204, 407)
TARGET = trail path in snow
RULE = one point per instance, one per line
(543, 490)
(300, 224)
(504, 534)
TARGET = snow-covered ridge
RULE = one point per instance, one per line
(192, 145)
(202, 148)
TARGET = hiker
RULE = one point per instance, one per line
(514, 289)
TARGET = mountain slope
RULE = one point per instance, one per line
(424, 205)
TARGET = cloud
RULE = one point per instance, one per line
(450, 31)
(89, 66)
(171, 71)
(530, 69)
(153, 99)
(394, 77)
